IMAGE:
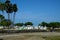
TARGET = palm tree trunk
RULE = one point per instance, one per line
(3, 13)
(0, 20)
(14, 18)
(11, 16)
(8, 16)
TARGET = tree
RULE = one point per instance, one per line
(19, 24)
(6, 22)
(11, 8)
(44, 24)
(1, 17)
(28, 23)
(2, 7)
(15, 10)
(54, 24)
(8, 8)
(39, 24)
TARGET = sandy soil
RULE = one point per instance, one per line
(28, 36)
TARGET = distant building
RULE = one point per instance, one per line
(1, 27)
(28, 27)
(36, 27)
(42, 28)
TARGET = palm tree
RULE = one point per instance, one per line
(2, 7)
(15, 10)
(8, 8)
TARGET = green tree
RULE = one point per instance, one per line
(54, 24)
(1, 17)
(19, 24)
(15, 10)
(28, 23)
(2, 7)
(8, 8)
(44, 24)
(6, 23)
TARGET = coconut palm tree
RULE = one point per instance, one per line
(2, 7)
(8, 8)
(15, 10)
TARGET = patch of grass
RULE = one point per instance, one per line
(58, 30)
(24, 37)
(52, 38)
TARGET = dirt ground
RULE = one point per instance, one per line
(28, 36)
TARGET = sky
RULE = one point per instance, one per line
(37, 11)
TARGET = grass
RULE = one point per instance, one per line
(17, 38)
(25, 37)
(52, 38)
(33, 37)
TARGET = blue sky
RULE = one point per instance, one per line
(37, 11)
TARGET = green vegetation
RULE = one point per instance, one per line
(54, 24)
(51, 25)
(6, 22)
(1, 17)
(19, 24)
(28, 23)
(14, 10)
(52, 38)
(43, 24)
(25, 24)
(33, 37)
(9, 8)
